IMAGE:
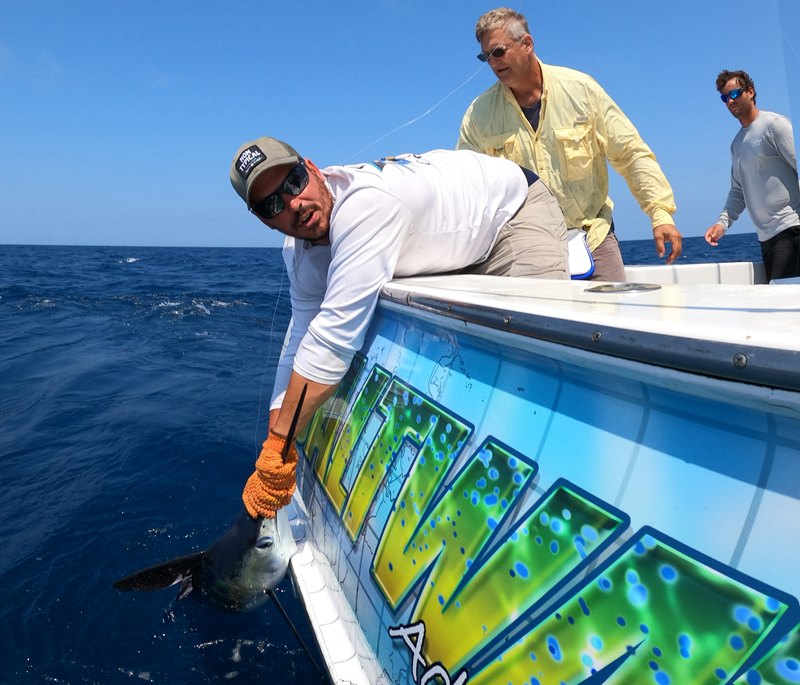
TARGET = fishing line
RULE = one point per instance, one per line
(269, 355)
(288, 620)
(408, 123)
(424, 114)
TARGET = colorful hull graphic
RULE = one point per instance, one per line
(495, 516)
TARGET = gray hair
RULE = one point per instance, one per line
(515, 24)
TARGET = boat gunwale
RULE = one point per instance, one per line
(762, 366)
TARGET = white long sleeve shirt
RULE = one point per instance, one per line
(404, 216)
(764, 176)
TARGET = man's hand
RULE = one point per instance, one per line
(714, 233)
(273, 483)
(667, 233)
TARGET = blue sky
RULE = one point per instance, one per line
(119, 119)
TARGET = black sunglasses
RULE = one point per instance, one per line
(498, 51)
(272, 204)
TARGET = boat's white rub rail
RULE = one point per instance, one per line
(347, 655)
(770, 366)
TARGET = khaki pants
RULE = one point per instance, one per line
(533, 243)
(608, 264)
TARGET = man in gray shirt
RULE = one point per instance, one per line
(763, 178)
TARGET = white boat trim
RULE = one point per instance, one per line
(717, 330)
(347, 655)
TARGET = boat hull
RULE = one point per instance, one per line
(491, 507)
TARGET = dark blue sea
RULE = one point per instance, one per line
(134, 391)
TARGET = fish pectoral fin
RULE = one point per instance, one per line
(186, 587)
(163, 575)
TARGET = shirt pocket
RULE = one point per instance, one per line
(503, 145)
(576, 150)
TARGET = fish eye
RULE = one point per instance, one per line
(264, 542)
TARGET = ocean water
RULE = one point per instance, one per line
(742, 247)
(134, 390)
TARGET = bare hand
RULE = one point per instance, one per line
(667, 233)
(714, 233)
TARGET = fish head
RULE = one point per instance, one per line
(273, 549)
(251, 558)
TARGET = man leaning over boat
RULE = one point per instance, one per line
(351, 229)
(561, 124)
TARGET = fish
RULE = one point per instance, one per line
(236, 573)
(239, 571)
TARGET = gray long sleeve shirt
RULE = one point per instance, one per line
(764, 176)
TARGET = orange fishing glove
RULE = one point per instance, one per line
(272, 485)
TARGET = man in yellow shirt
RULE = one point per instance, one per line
(561, 124)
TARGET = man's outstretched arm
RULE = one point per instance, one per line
(273, 482)
(281, 419)
(633, 159)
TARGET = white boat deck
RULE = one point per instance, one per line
(763, 316)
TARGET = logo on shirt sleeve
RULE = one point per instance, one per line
(249, 160)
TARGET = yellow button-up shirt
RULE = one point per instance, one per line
(580, 127)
